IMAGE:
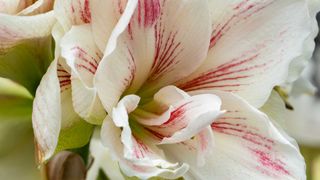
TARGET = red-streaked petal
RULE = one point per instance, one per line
(72, 12)
(46, 115)
(188, 117)
(166, 27)
(264, 38)
(15, 29)
(116, 70)
(194, 151)
(248, 146)
(158, 111)
(145, 161)
(142, 57)
(81, 53)
(105, 15)
(83, 57)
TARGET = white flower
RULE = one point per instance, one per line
(180, 81)
(304, 121)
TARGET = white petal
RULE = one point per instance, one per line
(171, 30)
(81, 53)
(72, 12)
(13, 6)
(188, 117)
(105, 15)
(46, 116)
(156, 46)
(248, 146)
(299, 63)
(83, 58)
(71, 123)
(14, 29)
(193, 151)
(40, 6)
(111, 76)
(102, 160)
(111, 139)
(264, 36)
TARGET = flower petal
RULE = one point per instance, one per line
(71, 123)
(156, 46)
(247, 146)
(171, 49)
(159, 38)
(81, 53)
(40, 6)
(158, 111)
(13, 6)
(72, 12)
(160, 168)
(102, 160)
(194, 151)
(105, 15)
(188, 117)
(55, 123)
(14, 29)
(265, 36)
(83, 58)
(111, 76)
(46, 116)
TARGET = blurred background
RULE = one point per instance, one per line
(16, 136)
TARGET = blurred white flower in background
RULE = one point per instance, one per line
(303, 122)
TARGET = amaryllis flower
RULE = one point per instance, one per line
(22, 20)
(180, 81)
(305, 118)
(251, 44)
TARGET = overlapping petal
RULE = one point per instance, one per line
(102, 160)
(72, 12)
(247, 145)
(13, 6)
(143, 161)
(57, 125)
(264, 37)
(14, 29)
(40, 6)
(47, 121)
(83, 57)
(188, 116)
(155, 49)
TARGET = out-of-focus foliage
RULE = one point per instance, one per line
(16, 135)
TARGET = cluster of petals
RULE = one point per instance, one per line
(174, 86)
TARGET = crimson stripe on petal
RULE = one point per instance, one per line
(64, 78)
(242, 11)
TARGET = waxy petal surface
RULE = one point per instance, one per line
(263, 37)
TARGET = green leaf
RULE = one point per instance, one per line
(27, 62)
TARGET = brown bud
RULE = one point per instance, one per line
(66, 166)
